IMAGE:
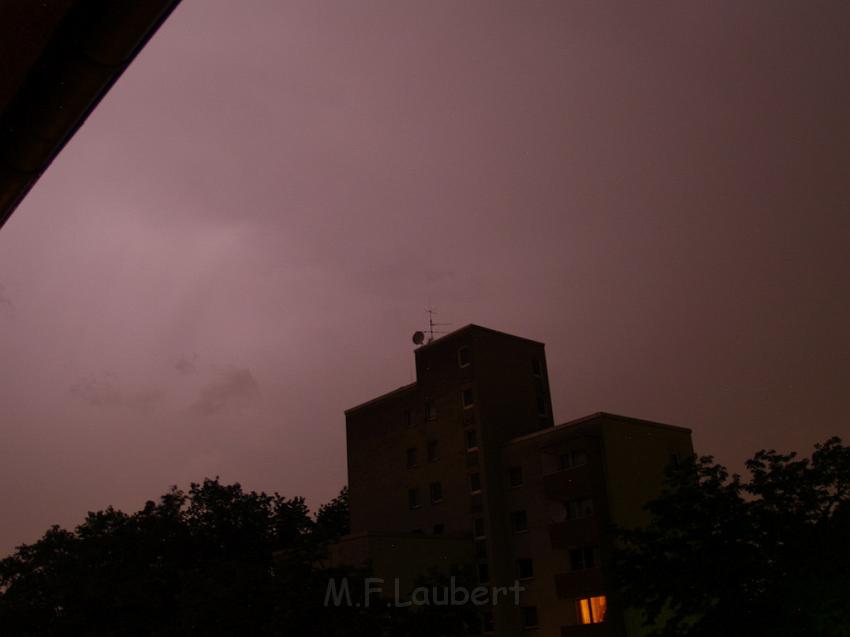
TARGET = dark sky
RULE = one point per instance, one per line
(240, 241)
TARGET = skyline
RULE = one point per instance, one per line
(241, 239)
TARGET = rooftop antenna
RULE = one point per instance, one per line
(432, 325)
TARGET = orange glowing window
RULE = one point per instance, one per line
(591, 610)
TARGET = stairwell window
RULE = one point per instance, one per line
(464, 357)
(471, 439)
(519, 521)
(467, 398)
(411, 457)
(433, 451)
(436, 492)
(475, 482)
(413, 498)
(430, 410)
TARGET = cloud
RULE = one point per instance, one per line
(104, 392)
(233, 391)
(186, 365)
(7, 308)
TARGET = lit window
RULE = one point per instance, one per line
(529, 617)
(474, 482)
(413, 498)
(471, 439)
(433, 451)
(582, 558)
(579, 508)
(525, 568)
(519, 521)
(591, 610)
(515, 476)
(411, 457)
(467, 398)
(464, 357)
(436, 492)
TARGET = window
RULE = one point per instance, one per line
(483, 572)
(433, 451)
(407, 418)
(525, 568)
(430, 410)
(571, 459)
(467, 398)
(481, 549)
(439, 529)
(582, 558)
(417, 531)
(411, 457)
(478, 527)
(591, 610)
(487, 622)
(519, 521)
(475, 482)
(464, 357)
(529, 617)
(580, 508)
(413, 498)
(471, 439)
(515, 476)
(436, 492)
(541, 403)
(536, 367)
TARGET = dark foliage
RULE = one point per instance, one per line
(765, 556)
(214, 561)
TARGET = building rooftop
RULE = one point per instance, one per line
(599, 415)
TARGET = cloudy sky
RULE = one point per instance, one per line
(239, 242)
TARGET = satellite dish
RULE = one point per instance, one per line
(419, 337)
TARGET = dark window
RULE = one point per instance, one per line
(439, 529)
(464, 357)
(525, 568)
(579, 508)
(467, 398)
(487, 622)
(408, 418)
(478, 527)
(483, 572)
(515, 476)
(582, 558)
(481, 549)
(471, 439)
(529, 617)
(541, 403)
(436, 492)
(570, 459)
(417, 531)
(519, 521)
(430, 410)
(536, 367)
(413, 498)
(433, 450)
(411, 457)
(474, 482)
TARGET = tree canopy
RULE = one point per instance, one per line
(765, 555)
(215, 560)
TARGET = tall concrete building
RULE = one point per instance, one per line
(465, 465)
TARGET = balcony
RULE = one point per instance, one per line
(584, 583)
(569, 483)
(581, 532)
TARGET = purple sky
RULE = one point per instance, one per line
(240, 241)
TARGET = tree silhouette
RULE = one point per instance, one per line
(726, 556)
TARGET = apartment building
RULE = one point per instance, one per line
(465, 465)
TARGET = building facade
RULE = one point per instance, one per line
(466, 465)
